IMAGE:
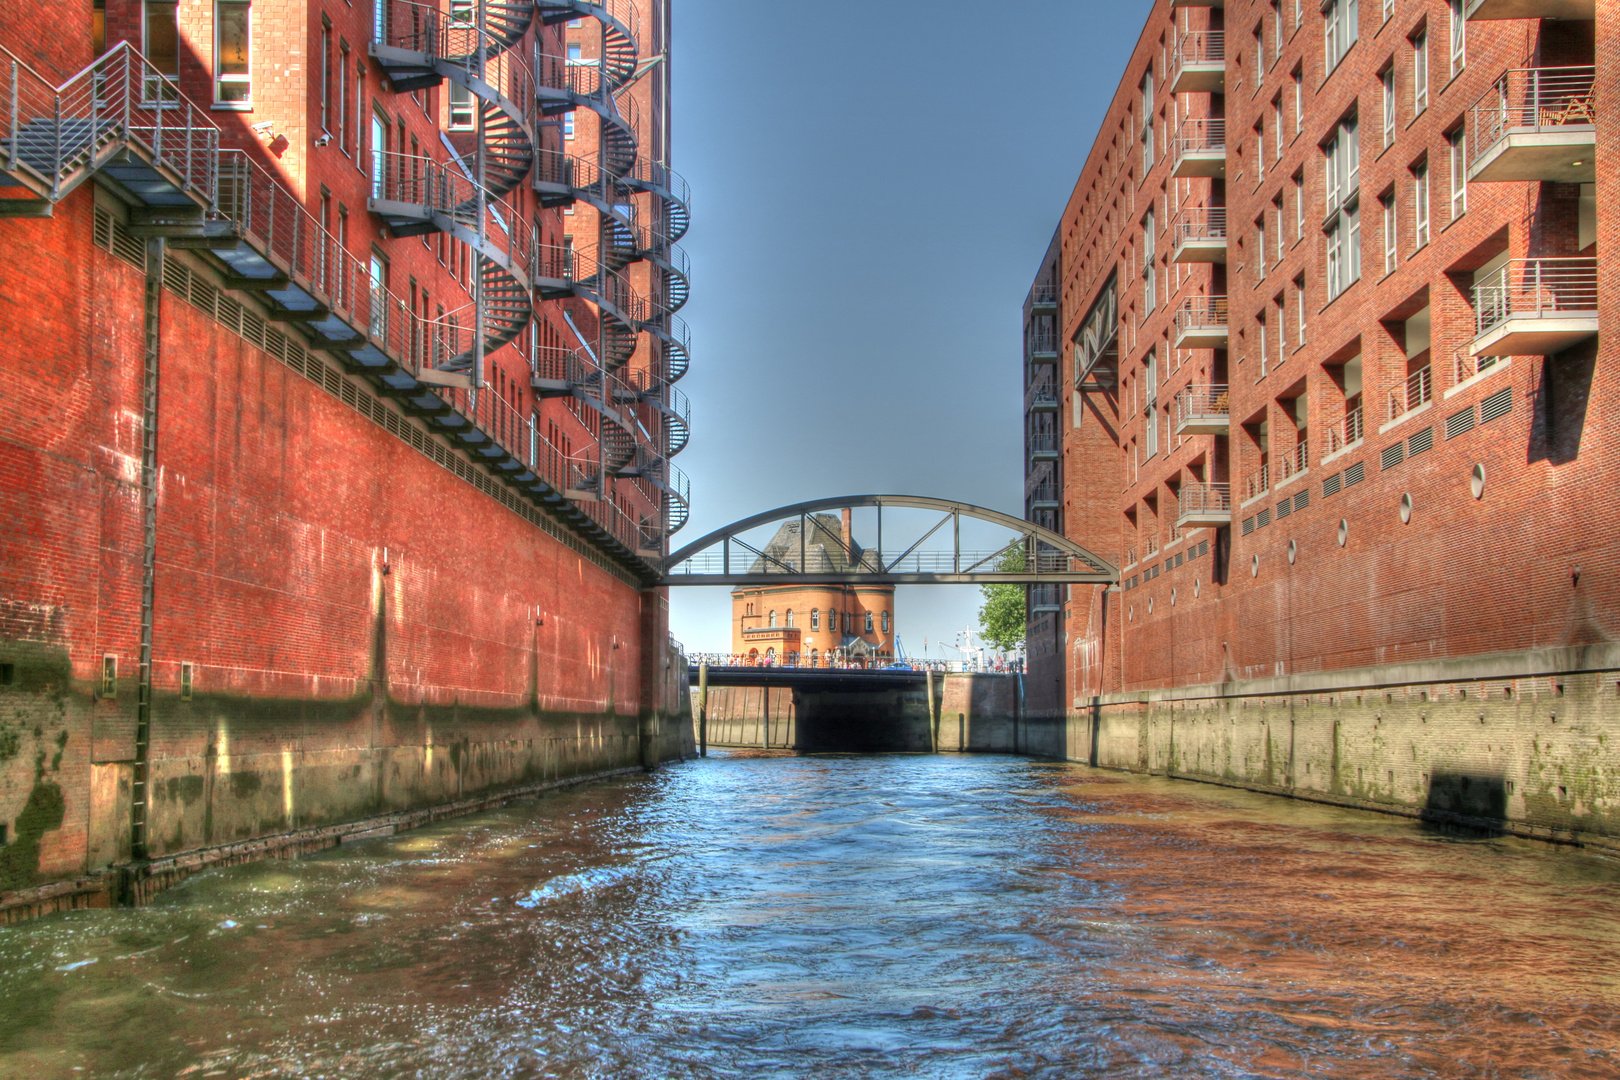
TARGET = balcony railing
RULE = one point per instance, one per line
(1199, 64)
(1204, 504)
(1150, 545)
(1203, 410)
(1200, 234)
(1201, 322)
(1043, 442)
(1042, 394)
(1347, 432)
(1043, 296)
(1257, 483)
(1046, 597)
(1295, 461)
(1130, 557)
(1417, 391)
(1201, 147)
(1043, 341)
(1535, 289)
(1554, 109)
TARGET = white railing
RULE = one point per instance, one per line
(1418, 390)
(1531, 100)
(1203, 403)
(1536, 289)
(1200, 223)
(1347, 432)
(1257, 483)
(1206, 136)
(1204, 499)
(1200, 47)
(1295, 461)
(1201, 313)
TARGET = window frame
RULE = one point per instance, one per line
(244, 104)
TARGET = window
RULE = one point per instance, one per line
(233, 79)
(771, 617)
(1150, 383)
(573, 52)
(1386, 206)
(815, 618)
(1282, 329)
(1342, 166)
(1338, 30)
(1259, 56)
(1150, 282)
(1265, 351)
(326, 75)
(1260, 248)
(868, 622)
(379, 149)
(160, 44)
(461, 109)
(1277, 208)
(1389, 9)
(1420, 206)
(1420, 73)
(109, 664)
(568, 124)
(1299, 101)
(343, 97)
(1459, 35)
(1260, 152)
(1277, 127)
(186, 678)
(1147, 121)
(1459, 173)
(1299, 307)
(1276, 35)
(1388, 81)
(790, 616)
(1299, 207)
(885, 622)
(1343, 252)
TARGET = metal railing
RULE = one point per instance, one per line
(1530, 100)
(832, 659)
(1417, 390)
(1204, 499)
(1048, 596)
(1203, 403)
(931, 561)
(1130, 558)
(1150, 545)
(426, 29)
(1465, 365)
(1044, 295)
(1042, 391)
(1347, 432)
(442, 189)
(1294, 461)
(1043, 442)
(1200, 223)
(1536, 289)
(1199, 47)
(1043, 341)
(53, 131)
(1206, 136)
(1201, 313)
(1258, 482)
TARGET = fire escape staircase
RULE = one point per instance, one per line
(122, 122)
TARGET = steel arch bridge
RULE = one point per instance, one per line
(798, 556)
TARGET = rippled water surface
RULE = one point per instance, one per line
(905, 916)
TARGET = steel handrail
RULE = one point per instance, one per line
(1349, 430)
(1200, 223)
(1530, 100)
(1201, 311)
(1536, 289)
(1257, 483)
(1203, 498)
(1200, 47)
(1416, 390)
(1203, 401)
(1202, 135)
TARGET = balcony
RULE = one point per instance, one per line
(1295, 462)
(1257, 483)
(1346, 433)
(1531, 9)
(1203, 505)
(1043, 347)
(1046, 597)
(1201, 148)
(1043, 300)
(1533, 307)
(1414, 394)
(1201, 323)
(1203, 410)
(1199, 63)
(1535, 124)
(1177, 4)
(1041, 488)
(1042, 395)
(1200, 233)
(1044, 446)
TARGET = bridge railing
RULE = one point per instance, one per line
(817, 660)
(893, 562)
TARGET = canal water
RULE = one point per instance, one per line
(753, 916)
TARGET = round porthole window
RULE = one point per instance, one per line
(1293, 552)
(1406, 508)
(1344, 531)
(1196, 585)
(1254, 566)
(1476, 482)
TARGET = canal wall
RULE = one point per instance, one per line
(349, 618)
(1525, 743)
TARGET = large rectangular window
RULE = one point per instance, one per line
(1388, 81)
(1459, 173)
(1420, 206)
(233, 73)
(1386, 207)
(1420, 73)
(461, 110)
(1459, 35)
(1338, 30)
(160, 44)
(1150, 279)
(326, 76)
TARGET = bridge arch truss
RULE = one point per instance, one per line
(905, 557)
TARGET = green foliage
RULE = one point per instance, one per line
(1001, 619)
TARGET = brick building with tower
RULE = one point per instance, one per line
(1319, 352)
(815, 625)
(339, 419)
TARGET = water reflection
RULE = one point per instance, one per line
(906, 916)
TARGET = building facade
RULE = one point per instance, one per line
(1318, 353)
(340, 422)
(815, 625)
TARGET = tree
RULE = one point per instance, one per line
(1001, 619)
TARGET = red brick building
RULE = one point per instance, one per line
(1316, 352)
(336, 435)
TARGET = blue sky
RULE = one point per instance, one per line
(873, 186)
